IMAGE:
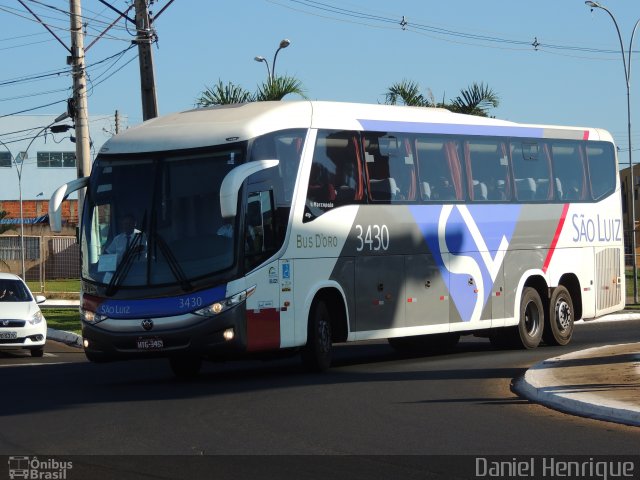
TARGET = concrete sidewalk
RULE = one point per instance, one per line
(602, 383)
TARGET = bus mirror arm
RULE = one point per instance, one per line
(55, 204)
(233, 181)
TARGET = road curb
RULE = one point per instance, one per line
(68, 338)
(540, 385)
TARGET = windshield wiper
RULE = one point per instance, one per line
(124, 266)
(173, 263)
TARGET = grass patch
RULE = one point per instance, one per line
(64, 285)
(67, 319)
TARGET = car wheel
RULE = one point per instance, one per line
(37, 352)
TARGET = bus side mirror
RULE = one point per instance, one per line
(55, 203)
(233, 181)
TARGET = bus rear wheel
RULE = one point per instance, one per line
(559, 327)
(316, 354)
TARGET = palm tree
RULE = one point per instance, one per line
(279, 87)
(408, 92)
(273, 89)
(222, 94)
(475, 100)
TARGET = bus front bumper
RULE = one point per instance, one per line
(221, 336)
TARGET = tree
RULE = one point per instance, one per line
(222, 94)
(279, 87)
(474, 100)
(272, 89)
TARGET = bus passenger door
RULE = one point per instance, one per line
(379, 290)
(427, 296)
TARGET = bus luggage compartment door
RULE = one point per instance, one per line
(379, 292)
(427, 300)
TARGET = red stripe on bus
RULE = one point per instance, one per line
(263, 329)
(586, 135)
(552, 248)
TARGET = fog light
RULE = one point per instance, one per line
(228, 334)
(85, 343)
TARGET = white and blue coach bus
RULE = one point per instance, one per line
(290, 226)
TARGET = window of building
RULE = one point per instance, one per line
(5, 159)
(56, 159)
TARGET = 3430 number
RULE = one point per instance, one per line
(372, 237)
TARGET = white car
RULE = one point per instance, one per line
(22, 324)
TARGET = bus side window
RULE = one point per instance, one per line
(336, 177)
(531, 165)
(601, 169)
(439, 170)
(259, 228)
(568, 168)
(487, 170)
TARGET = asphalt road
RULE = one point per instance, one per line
(374, 401)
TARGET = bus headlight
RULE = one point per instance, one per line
(223, 305)
(91, 317)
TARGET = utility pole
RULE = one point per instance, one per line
(144, 40)
(117, 122)
(79, 102)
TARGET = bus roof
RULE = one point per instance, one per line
(223, 124)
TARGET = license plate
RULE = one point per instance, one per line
(8, 335)
(150, 343)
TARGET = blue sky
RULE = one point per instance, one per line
(344, 50)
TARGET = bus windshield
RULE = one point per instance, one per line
(154, 219)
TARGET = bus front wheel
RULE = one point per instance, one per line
(316, 354)
(559, 328)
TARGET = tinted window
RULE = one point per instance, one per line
(531, 163)
(439, 169)
(336, 173)
(487, 170)
(602, 172)
(390, 167)
(568, 171)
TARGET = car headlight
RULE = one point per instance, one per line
(36, 318)
(223, 305)
(91, 317)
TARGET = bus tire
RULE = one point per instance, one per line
(559, 327)
(531, 325)
(316, 354)
(185, 366)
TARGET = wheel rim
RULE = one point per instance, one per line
(563, 314)
(324, 335)
(531, 319)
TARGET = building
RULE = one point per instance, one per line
(46, 161)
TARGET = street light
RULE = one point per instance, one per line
(271, 74)
(22, 156)
(627, 76)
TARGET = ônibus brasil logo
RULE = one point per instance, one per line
(31, 468)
